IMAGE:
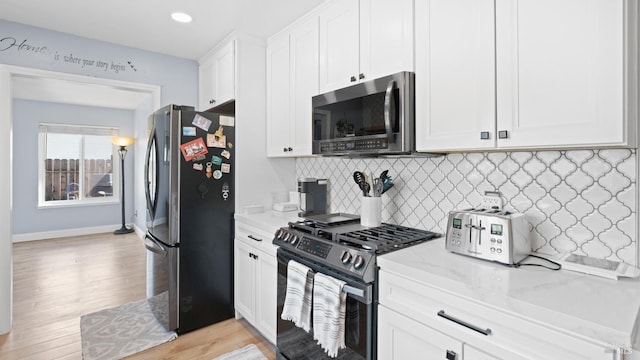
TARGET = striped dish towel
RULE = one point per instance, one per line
(297, 302)
(329, 304)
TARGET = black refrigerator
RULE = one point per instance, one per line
(189, 185)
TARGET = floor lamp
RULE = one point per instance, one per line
(123, 142)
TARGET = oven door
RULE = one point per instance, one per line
(294, 343)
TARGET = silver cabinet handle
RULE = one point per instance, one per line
(361, 76)
(485, 332)
(485, 135)
(353, 79)
(503, 134)
(254, 238)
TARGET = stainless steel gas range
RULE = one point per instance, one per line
(337, 245)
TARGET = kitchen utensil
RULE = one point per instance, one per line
(359, 178)
(378, 187)
(383, 175)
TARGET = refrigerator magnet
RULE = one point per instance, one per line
(188, 131)
(225, 154)
(227, 121)
(209, 170)
(197, 166)
(225, 168)
(217, 174)
(230, 145)
(216, 160)
(193, 148)
(201, 122)
(225, 191)
(216, 141)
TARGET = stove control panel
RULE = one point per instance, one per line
(340, 257)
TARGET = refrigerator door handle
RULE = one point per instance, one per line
(151, 203)
(154, 246)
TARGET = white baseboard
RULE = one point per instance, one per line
(16, 238)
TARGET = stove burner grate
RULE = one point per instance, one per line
(386, 238)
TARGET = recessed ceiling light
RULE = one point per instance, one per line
(181, 17)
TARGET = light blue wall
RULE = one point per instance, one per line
(50, 50)
(33, 47)
(27, 218)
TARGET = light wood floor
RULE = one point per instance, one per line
(57, 281)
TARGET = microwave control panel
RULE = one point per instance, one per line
(350, 145)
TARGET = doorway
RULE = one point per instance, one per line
(35, 84)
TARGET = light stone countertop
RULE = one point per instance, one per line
(269, 221)
(598, 308)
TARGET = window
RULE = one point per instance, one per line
(77, 165)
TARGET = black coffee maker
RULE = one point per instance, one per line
(312, 195)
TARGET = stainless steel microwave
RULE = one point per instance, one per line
(376, 117)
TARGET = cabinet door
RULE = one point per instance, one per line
(206, 87)
(471, 353)
(304, 83)
(244, 281)
(400, 338)
(560, 76)
(339, 44)
(386, 37)
(266, 300)
(455, 74)
(225, 68)
(278, 96)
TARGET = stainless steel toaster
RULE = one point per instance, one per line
(489, 234)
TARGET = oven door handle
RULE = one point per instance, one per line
(353, 291)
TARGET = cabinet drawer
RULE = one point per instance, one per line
(257, 238)
(482, 325)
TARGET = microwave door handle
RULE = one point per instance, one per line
(387, 107)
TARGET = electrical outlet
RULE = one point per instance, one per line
(491, 200)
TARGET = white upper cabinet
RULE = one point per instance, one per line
(304, 83)
(292, 80)
(363, 40)
(563, 74)
(278, 96)
(339, 44)
(225, 73)
(386, 37)
(455, 74)
(217, 77)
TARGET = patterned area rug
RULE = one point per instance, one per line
(249, 352)
(124, 330)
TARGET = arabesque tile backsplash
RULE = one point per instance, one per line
(580, 201)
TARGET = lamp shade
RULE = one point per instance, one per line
(122, 141)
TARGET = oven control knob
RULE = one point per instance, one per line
(279, 234)
(358, 262)
(345, 257)
(286, 237)
(294, 239)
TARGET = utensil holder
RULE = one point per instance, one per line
(370, 211)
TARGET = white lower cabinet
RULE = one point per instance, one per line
(255, 280)
(400, 337)
(417, 320)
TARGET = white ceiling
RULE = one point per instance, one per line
(146, 24)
